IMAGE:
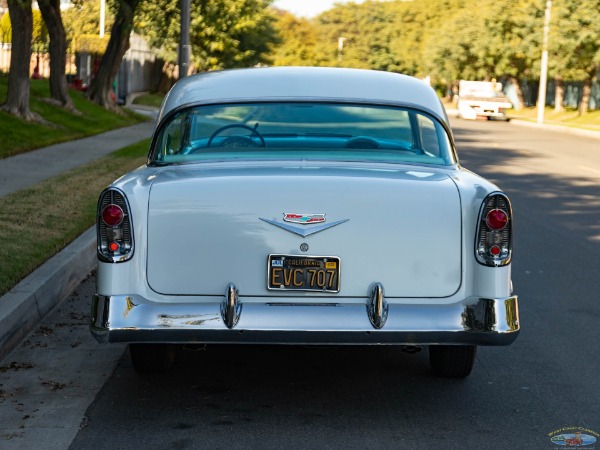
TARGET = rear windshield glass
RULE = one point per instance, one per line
(302, 131)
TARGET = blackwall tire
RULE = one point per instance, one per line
(152, 358)
(452, 361)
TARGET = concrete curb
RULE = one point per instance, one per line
(24, 306)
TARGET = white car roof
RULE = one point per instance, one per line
(303, 83)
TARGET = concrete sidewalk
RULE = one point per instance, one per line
(26, 169)
(23, 307)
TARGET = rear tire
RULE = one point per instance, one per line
(152, 358)
(452, 361)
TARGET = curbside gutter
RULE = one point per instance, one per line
(24, 306)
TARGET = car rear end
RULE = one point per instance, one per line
(311, 237)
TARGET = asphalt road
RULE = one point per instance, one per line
(358, 398)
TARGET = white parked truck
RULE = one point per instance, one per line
(482, 99)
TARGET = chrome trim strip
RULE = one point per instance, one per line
(478, 321)
(377, 309)
(301, 231)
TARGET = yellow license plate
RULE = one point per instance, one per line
(304, 273)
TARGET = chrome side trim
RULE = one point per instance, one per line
(377, 309)
(474, 320)
(231, 308)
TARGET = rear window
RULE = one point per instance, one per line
(302, 130)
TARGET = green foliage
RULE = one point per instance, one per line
(40, 32)
(5, 29)
(299, 43)
(574, 44)
(448, 40)
(90, 43)
(224, 33)
(83, 19)
(365, 31)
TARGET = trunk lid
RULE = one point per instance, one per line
(402, 229)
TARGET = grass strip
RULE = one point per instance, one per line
(19, 136)
(38, 222)
(568, 117)
(149, 100)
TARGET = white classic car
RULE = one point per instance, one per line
(311, 206)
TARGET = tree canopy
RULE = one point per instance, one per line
(223, 33)
(445, 40)
(449, 40)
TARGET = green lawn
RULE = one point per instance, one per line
(18, 136)
(38, 222)
(568, 117)
(149, 100)
(32, 221)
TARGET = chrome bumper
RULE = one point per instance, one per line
(476, 321)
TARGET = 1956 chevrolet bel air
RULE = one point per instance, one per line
(304, 206)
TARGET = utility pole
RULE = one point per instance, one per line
(102, 16)
(541, 103)
(184, 39)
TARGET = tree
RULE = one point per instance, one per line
(224, 33)
(17, 98)
(83, 18)
(365, 32)
(59, 91)
(450, 40)
(299, 42)
(101, 86)
(575, 44)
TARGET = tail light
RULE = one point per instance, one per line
(113, 223)
(493, 241)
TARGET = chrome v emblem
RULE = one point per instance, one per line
(303, 231)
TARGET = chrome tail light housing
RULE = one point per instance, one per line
(493, 240)
(114, 228)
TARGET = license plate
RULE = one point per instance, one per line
(304, 273)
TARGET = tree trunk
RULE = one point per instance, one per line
(559, 93)
(59, 91)
(17, 98)
(584, 103)
(520, 99)
(101, 86)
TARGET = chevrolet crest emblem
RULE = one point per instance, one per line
(303, 219)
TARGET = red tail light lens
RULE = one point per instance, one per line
(496, 219)
(112, 215)
(115, 231)
(493, 241)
